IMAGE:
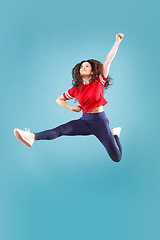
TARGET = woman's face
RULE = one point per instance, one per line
(85, 69)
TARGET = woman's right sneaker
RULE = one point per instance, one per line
(116, 131)
(25, 136)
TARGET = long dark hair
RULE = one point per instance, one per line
(96, 69)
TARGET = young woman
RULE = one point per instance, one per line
(90, 77)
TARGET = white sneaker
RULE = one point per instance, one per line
(25, 136)
(116, 131)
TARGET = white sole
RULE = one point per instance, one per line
(17, 134)
(118, 129)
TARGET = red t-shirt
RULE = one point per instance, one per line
(89, 96)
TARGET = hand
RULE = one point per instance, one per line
(119, 37)
(76, 108)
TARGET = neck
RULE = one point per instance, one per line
(86, 79)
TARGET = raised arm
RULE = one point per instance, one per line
(111, 54)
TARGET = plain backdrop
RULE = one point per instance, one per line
(69, 188)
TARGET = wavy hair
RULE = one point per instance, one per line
(96, 69)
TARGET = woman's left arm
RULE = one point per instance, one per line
(111, 54)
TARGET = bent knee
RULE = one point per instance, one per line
(116, 158)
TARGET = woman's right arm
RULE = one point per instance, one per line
(62, 102)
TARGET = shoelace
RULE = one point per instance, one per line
(28, 130)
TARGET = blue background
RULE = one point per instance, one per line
(69, 188)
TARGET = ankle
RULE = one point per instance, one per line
(33, 135)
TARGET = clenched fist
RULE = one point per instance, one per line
(76, 108)
(119, 37)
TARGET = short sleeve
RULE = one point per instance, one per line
(70, 94)
(102, 78)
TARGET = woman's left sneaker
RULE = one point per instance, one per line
(116, 131)
(25, 136)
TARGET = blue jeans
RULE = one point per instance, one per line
(89, 124)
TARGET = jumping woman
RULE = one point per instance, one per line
(90, 77)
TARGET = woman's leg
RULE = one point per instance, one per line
(72, 128)
(100, 128)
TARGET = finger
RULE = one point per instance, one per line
(121, 35)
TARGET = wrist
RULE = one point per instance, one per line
(117, 43)
(71, 108)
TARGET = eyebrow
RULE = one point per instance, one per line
(86, 64)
